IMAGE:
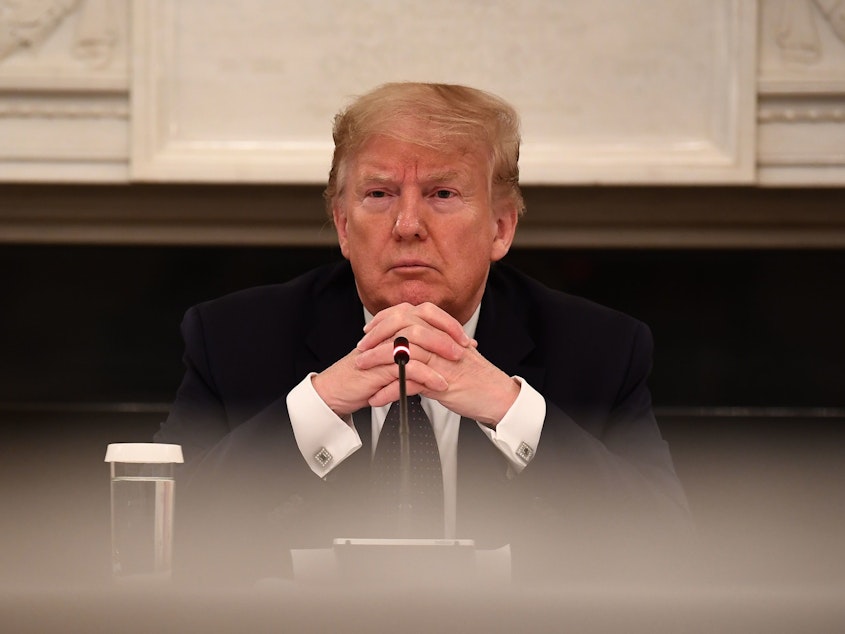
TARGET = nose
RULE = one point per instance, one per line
(410, 221)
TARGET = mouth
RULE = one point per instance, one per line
(410, 266)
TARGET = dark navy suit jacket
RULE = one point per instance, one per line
(601, 485)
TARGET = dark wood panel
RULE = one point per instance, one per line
(731, 327)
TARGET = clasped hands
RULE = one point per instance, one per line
(445, 365)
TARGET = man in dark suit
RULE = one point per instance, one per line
(537, 400)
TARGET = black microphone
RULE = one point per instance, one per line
(401, 351)
(401, 356)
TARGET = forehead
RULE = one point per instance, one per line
(392, 156)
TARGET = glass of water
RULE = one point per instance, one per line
(142, 497)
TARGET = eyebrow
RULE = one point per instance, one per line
(443, 176)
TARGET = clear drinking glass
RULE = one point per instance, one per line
(142, 497)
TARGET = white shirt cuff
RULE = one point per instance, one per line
(324, 439)
(518, 433)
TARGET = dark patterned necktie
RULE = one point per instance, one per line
(424, 517)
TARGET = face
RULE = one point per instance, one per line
(419, 225)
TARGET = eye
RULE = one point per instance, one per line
(444, 194)
(377, 193)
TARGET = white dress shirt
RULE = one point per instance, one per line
(325, 440)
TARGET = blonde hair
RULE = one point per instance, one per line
(453, 114)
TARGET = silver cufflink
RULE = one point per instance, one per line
(525, 452)
(323, 457)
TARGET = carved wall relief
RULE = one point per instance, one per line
(96, 33)
(798, 36)
(802, 40)
(87, 31)
(28, 24)
(64, 90)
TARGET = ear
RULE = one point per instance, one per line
(505, 217)
(339, 216)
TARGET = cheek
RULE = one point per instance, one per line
(476, 238)
(363, 241)
(353, 229)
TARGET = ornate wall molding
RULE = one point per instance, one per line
(687, 92)
(681, 217)
(58, 110)
(801, 112)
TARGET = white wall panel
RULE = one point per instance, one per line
(614, 91)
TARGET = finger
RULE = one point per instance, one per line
(426, 380)
(390, 322)
(433, 341)
(402, 314)
(403, 309)
(424, 344)
(420, 376)
(443, 321)
(381, 355)
(440, 319)
(346, 388)
(387, 324)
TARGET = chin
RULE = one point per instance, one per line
(417, 293)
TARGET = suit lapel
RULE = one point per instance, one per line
(502, 335)
(337, 321)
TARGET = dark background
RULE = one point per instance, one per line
(99, 324)
(748, 386)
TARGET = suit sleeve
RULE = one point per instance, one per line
(245, 495)
(197, 418)
(612, 490)
(626, 462)
(201, 422)
(227, 528)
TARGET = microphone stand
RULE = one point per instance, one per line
(406, 559)
(401, 356)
